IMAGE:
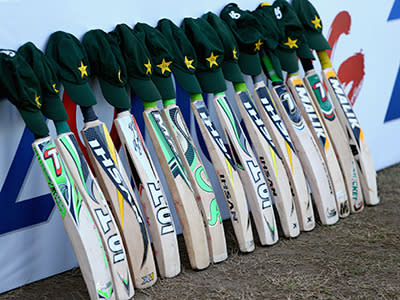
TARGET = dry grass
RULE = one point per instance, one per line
(358, 258)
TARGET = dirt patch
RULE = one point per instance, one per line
(358, 258)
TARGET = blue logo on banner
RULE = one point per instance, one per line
(16, 215)
(393, 111)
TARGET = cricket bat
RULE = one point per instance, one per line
(277, 129)
(310, 157)
(352, 127)
(152, 196)
(323, 105)
(250, 173)
(313, 120)
(189, 214)
(270, 161)
(92, 196)
(227, 175)
(198, 177)
(78, 222)
(115, 184)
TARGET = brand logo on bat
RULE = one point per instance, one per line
(225, 190)
(203, 113)
(262, 188)
(163, 212)
(49, 151)
(148, 278)
(252, 112)
(290, 107)
(266, 101)
(184, 138)
(312, 115)
(237, 129)
(172, 156)
(135, 138)
(346, 106)
(63, 180)
(104, 158)
(114, 242)
(322, 97)
(98, 146)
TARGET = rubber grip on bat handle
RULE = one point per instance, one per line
(270, 69)
(324, 59)
(195, 97)
(307, 64)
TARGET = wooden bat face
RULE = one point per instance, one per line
(228, 178)
(93, 197)
(198, 177)
(77, 221)
(312, 118)
(249, 172)
(117, 188)
(154, 203)
(174, 161)
(134, 145)
(279, 133)
(290, 107)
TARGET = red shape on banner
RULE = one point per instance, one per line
(351, 71)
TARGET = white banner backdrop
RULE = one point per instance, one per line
(33, 242)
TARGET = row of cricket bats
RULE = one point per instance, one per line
(304, 148)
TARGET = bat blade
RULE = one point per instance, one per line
(152, 196)
(324, 142)
(92, 195)
(199, 180)
(340, 143)
(254, 183)
(277, 129)
(271, 164)
(180, 188)
(115, 185)
(310, 157)
(228, 177)
(77, 220)
(360, 148)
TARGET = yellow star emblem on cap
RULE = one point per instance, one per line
(189, 62)
(291, 43)
(55, 87)
(212, 59)
(119, 76)
(37, 98)
(148, 67)
(164, 66)
(83, 69)
(258, 45)
(234, 51)
(317, 22)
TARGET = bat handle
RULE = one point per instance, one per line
(324, 59)
(88, 114)
(307, 64)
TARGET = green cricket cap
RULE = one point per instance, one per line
(72, 62)
(230, 66)
(138, 63)
(245, 28)
(108, 65)
(161, 56)
(20, 85)
(293, 41)
(210, 53)
(185, 58)
(312, 24)
(46, 73)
